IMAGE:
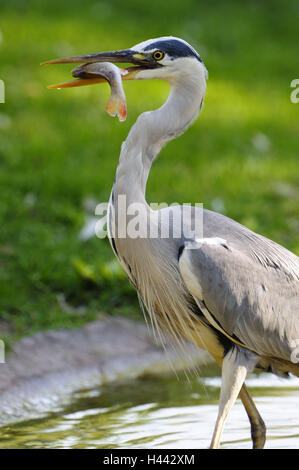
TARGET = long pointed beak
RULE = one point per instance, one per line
(126, 55)
(76, 83)
(139, 60)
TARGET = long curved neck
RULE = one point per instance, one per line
(153, 129)
(156, 277)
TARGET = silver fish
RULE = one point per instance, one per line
(99, 72)
(116, 104)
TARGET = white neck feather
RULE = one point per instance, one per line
(154, 129)
(155, 274)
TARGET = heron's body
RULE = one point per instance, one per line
(225, 288)
(248, 284)
(172, 307)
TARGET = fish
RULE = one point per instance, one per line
(116, 104)
(97, 72)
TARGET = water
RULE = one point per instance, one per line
(161, 412)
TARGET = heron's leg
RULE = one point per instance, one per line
(258, 428)
(235, 366)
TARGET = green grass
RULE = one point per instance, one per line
(59, 148)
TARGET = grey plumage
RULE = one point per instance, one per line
(250, 286)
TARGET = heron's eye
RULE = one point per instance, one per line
(158, 55)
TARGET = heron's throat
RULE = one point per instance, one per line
(154, 129)
(131, 232)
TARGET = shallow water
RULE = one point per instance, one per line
(161, 412)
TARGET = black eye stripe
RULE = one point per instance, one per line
(174, 48)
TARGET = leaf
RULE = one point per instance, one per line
(85, 270)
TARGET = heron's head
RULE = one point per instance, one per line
(167, 58)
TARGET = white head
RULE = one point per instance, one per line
(170, 58)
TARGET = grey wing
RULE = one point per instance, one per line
(253, 302)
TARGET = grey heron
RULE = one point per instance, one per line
(227, 289)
